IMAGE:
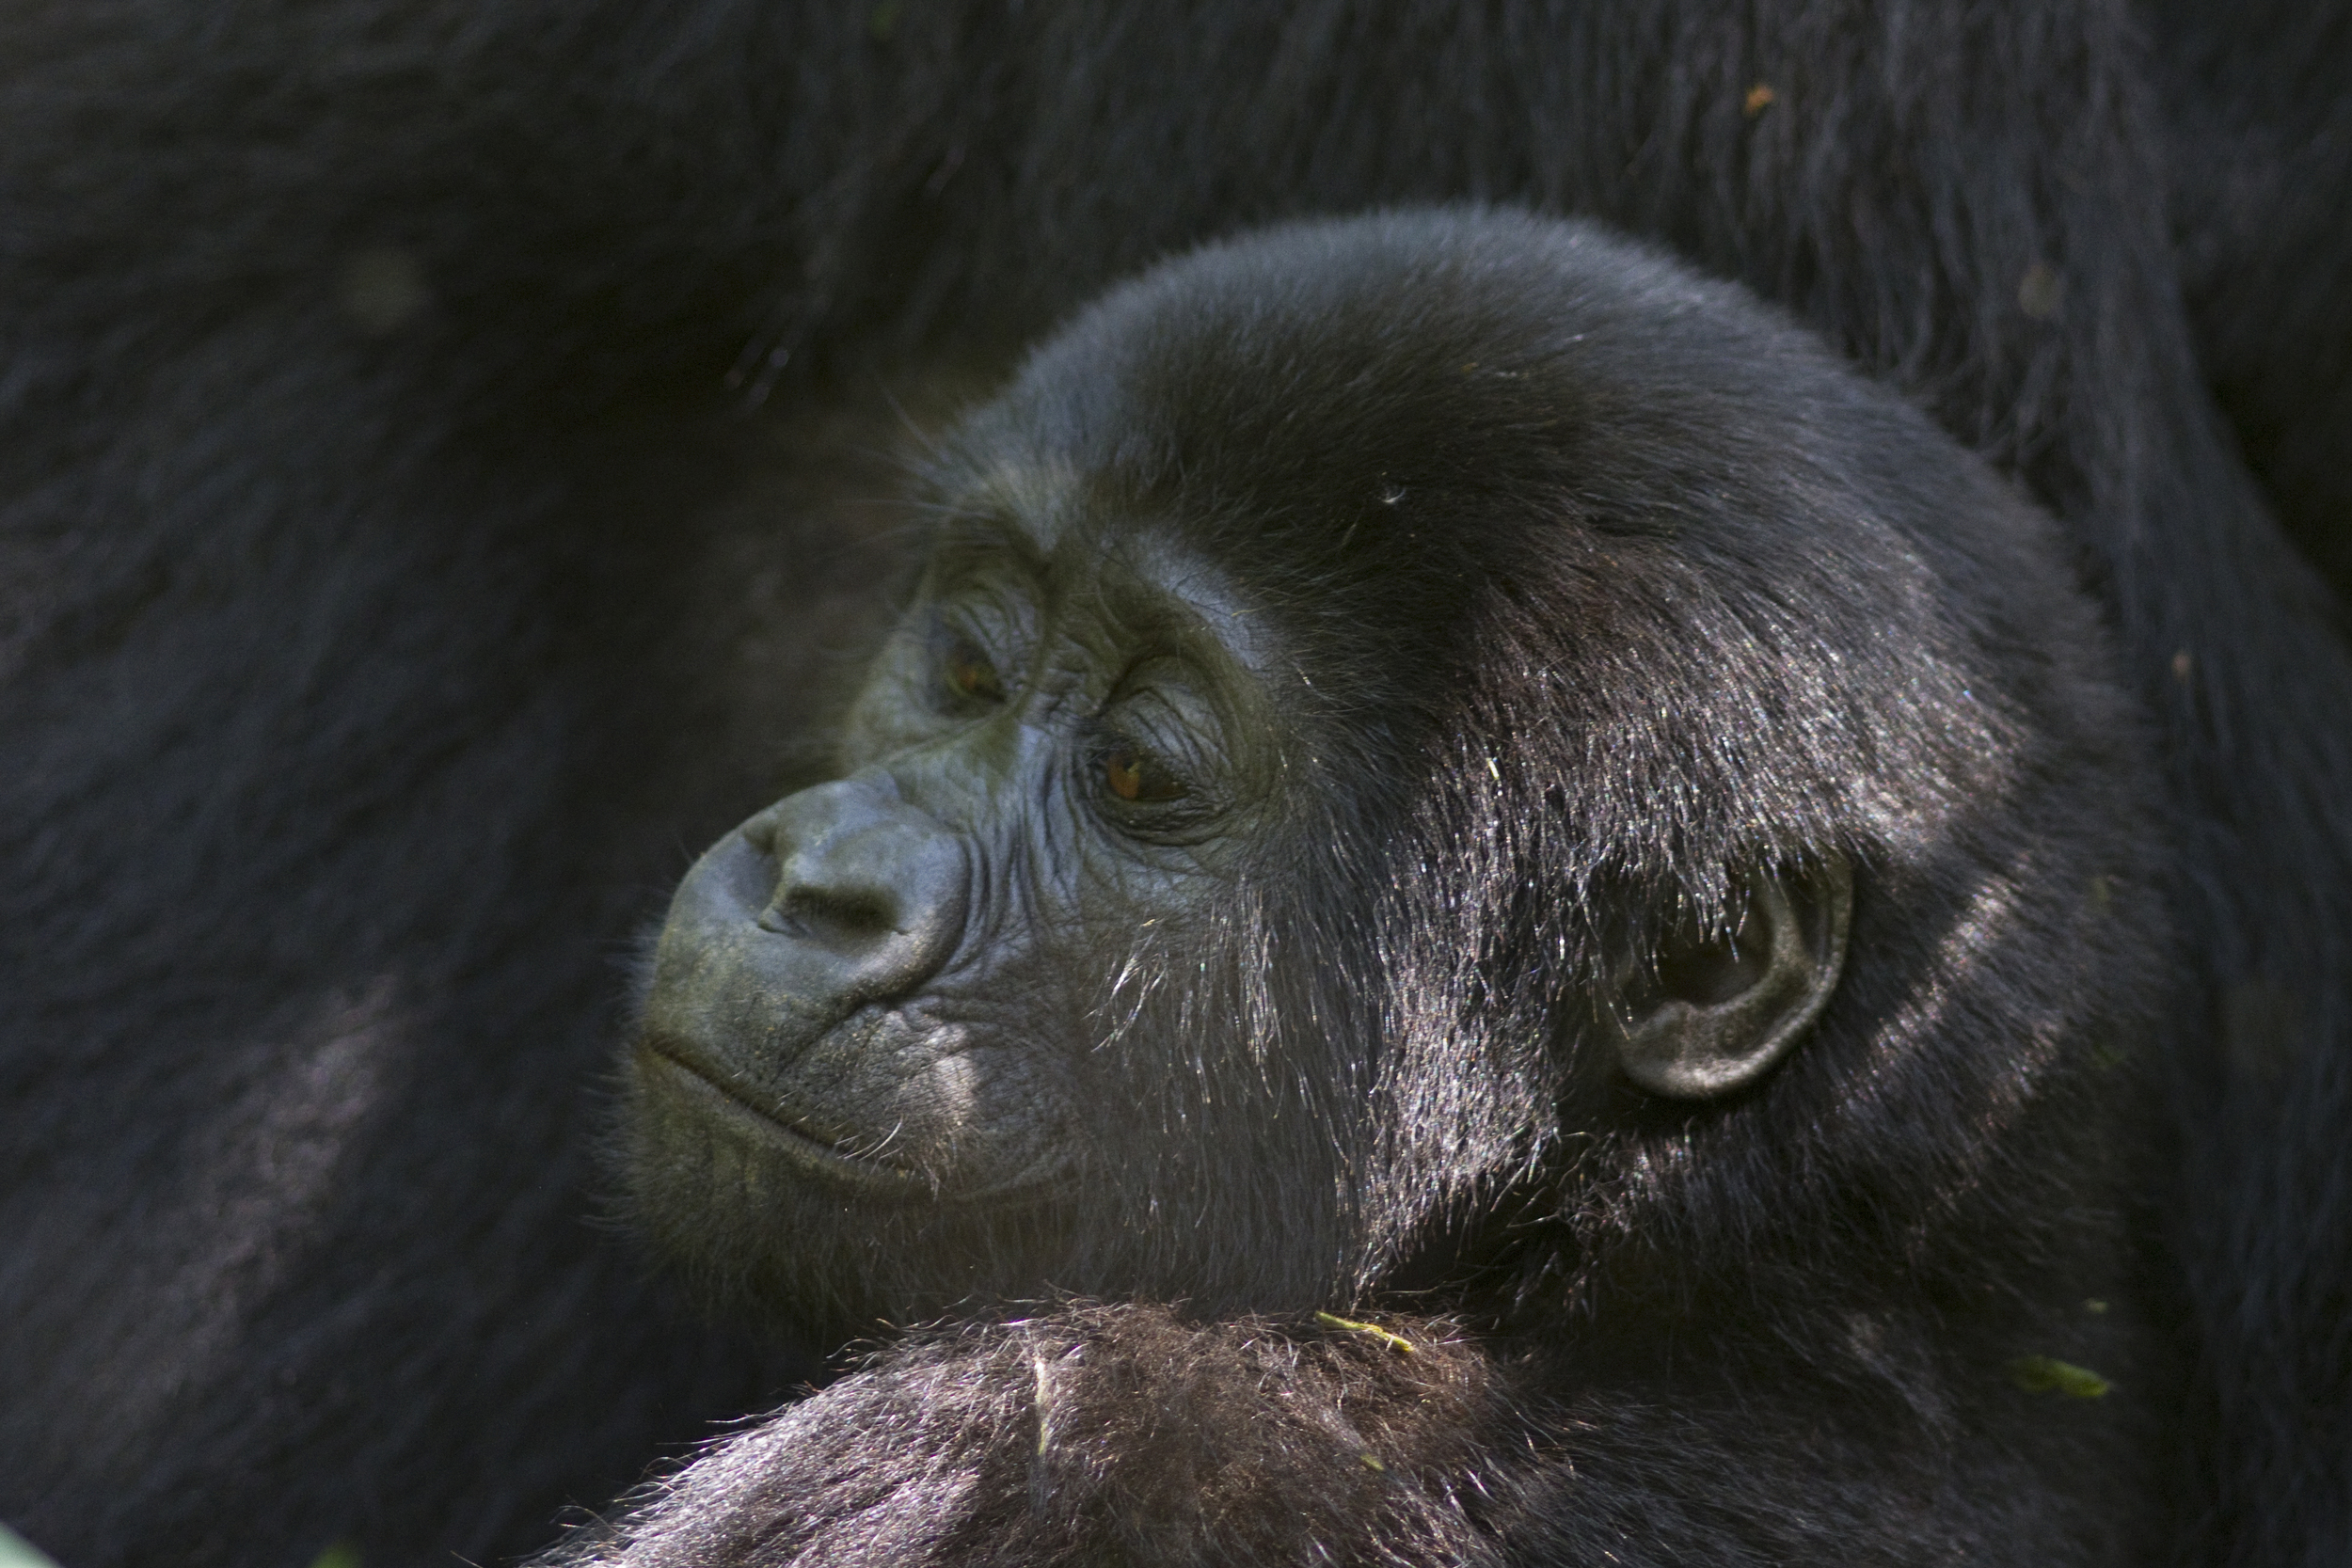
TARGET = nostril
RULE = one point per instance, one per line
(760, 832)
(867, 894)
(834, 917)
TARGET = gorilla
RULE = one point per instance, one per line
(1526, 910)
(445, 453)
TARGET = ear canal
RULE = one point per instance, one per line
(1713, 1018)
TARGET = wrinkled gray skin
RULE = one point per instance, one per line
(852, 988)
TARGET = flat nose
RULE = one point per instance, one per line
(865, 877)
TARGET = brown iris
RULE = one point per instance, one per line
(1133, 776)
(971, 675)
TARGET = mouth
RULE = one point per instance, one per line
(825, 1155)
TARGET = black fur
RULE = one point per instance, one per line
(1588, 594)
(381, 610)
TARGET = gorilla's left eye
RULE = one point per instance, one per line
(970, 674)
(1134, 775)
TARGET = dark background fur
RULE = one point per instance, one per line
(376, 633)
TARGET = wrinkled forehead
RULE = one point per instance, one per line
(1086, 549)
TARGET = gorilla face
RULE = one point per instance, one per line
(885, 985)
(1394, 712)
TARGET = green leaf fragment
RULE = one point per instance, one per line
(2044, 1374)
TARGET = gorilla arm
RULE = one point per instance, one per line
(1099, 1434)
(1122, 1435)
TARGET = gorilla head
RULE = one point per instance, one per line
(1433, 742)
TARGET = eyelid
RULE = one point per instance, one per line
(1131, 725)
(985, 625)
(1178, 725)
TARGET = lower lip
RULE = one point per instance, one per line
(820, 1158)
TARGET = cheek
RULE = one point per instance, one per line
(999, 1111)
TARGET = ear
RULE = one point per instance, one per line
(1714, 1016)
